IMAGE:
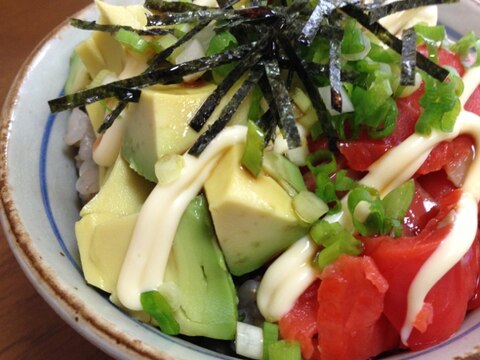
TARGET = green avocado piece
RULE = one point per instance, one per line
(253, 216)
(103, 243)
(78, 77)
(159, 123)
(122, 193)
(208, 301)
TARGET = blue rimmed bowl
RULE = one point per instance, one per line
(40, 207)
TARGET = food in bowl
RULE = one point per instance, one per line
(293, 177)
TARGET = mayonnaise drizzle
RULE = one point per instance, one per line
(286, 279)
(146, 259)
(445, 256)
(465, 224)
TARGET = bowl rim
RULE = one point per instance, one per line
(64, 302)
(67, 304)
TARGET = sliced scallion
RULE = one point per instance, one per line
(308, 207)
(155, 305)
(285, 350)
(252, 157)
(131, 40)
(286, 173)
(270, 336)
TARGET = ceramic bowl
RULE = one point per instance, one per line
(40, 207)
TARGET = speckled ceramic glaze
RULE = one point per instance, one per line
(40, 207)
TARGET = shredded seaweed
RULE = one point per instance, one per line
(163, 55)
(283, 102)
(94, 26)
(251, 13)
(322, 10)
(409, 43)
(227, 113)
(378, 12)
(392, 41)
(311, 89)
(110, 118)
(172, 6)
(272, 37)
(127, 89)
(335, 73)
(208, 107)
(90, 96)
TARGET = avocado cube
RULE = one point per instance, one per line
(253, 217)
(159, 123)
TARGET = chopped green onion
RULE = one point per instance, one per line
(309, 207)
(332, 252)
(283, 171)
(253, 154)
(325, 233)
(432, 37)
(131, 40)
(355, 45)
(255, 111)
(323, 166)
(161, 43)
(219, 43)
(270, 336)
(301, 99)
(464, 46)
(372, 215)
(336, 241)
(440, 103)
(285, 350)
(370, 219)
(248, 341)
(155, 305)
(374, 107)
(321, 161)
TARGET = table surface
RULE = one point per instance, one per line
(29, 328)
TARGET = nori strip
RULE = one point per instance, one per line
(335, 74)
(389, 39)
(124, 89)
(379, 12)
(309, 31)
(90, 96)
(227, 113)
(409, 44)
(93, 25)
(110, 118)
(297, 6)
(163, 55)
(272, 105)
(311, 90)
(172, 6)
(214, 98)
(227, 4)
(252, 13)
(268, 125)
(283, 102)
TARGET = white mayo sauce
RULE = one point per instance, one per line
(144, 265)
